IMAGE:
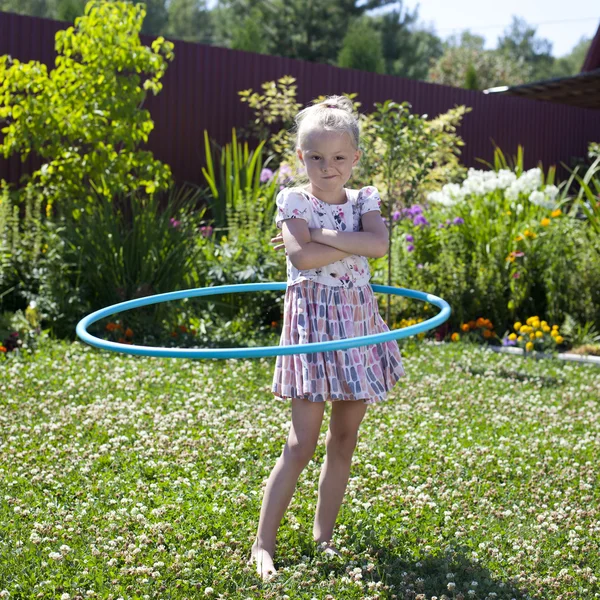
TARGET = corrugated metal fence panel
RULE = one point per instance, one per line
(201, 85)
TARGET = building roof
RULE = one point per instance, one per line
(581, 90)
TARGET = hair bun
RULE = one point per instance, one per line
(339, 102)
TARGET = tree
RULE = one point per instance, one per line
(35, 8)
(571, 63)
(407, 51)
(68, 10)
(485, 68)
(520, 44)
(157, 17)
(190, 20)
(305, 29)
(84, 118)
(361, 48)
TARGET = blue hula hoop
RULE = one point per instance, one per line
(257, 352)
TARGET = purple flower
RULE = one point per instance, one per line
(174, 222)
(458, 221)
(266, 175)
(410, 238)
(410, 247)
(507, 342)
(516, 275)
(441, 226)
(415, 210)
(206, 231)
(420, 220)
(419, 266)
(396, 215)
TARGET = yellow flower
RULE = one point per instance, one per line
(529, 346)
(545, 222)
(545, 328)
(532, 336)
(544, 324)
(554, 333)
(559, 339)
(512, 337)
(539, 334)
(554, 326)
(455, 337)
(556, 213)
(508, 212)
(524, 329)
(510, 258)
(518, 238)
(517, 326)
(519, 339)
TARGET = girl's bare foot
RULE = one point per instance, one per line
(264, 562)
(328, 549)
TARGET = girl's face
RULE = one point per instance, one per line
(328, 157)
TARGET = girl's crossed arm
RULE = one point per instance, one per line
(372, 241)
(302, 251)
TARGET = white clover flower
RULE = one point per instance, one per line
(55, 555)
(208, 591)
(65, 596)
(451, 586)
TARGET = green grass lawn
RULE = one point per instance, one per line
(131, 477)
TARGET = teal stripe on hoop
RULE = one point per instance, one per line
(365, 340)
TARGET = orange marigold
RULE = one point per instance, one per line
(465, 327)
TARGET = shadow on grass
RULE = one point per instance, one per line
(429, 576)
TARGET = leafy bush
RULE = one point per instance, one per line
(242, 190)
(501, 244)
(84, 117)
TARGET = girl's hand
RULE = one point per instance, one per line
(278, 239)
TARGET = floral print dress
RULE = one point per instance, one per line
(329, 303)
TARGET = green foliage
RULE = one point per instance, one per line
(361, 48)
(274, 112)
(22, 245)
(84, 117)
(239, 200)
(520, 44)
(121, 249)
(190, 20)
(502, 245)
(289, 27)
(407, 51)
(570, 64)
(492, 68)
(471, 81)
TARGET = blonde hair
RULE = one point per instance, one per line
(335, 113)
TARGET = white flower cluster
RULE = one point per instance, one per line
(479, 183)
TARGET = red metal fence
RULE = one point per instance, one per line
(201, 85)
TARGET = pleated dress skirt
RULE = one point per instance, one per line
(315, 312)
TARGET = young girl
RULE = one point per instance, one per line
(327, 230)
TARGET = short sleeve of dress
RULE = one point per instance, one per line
(291, 205)
(368, 200)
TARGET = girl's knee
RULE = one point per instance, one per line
(299, 452)
(342, 443)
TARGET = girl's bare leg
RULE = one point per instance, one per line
(298, 450)
(346, 417)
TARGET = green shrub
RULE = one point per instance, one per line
(84, 117)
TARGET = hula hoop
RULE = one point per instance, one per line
(261, 351)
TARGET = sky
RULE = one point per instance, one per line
(561, 22)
